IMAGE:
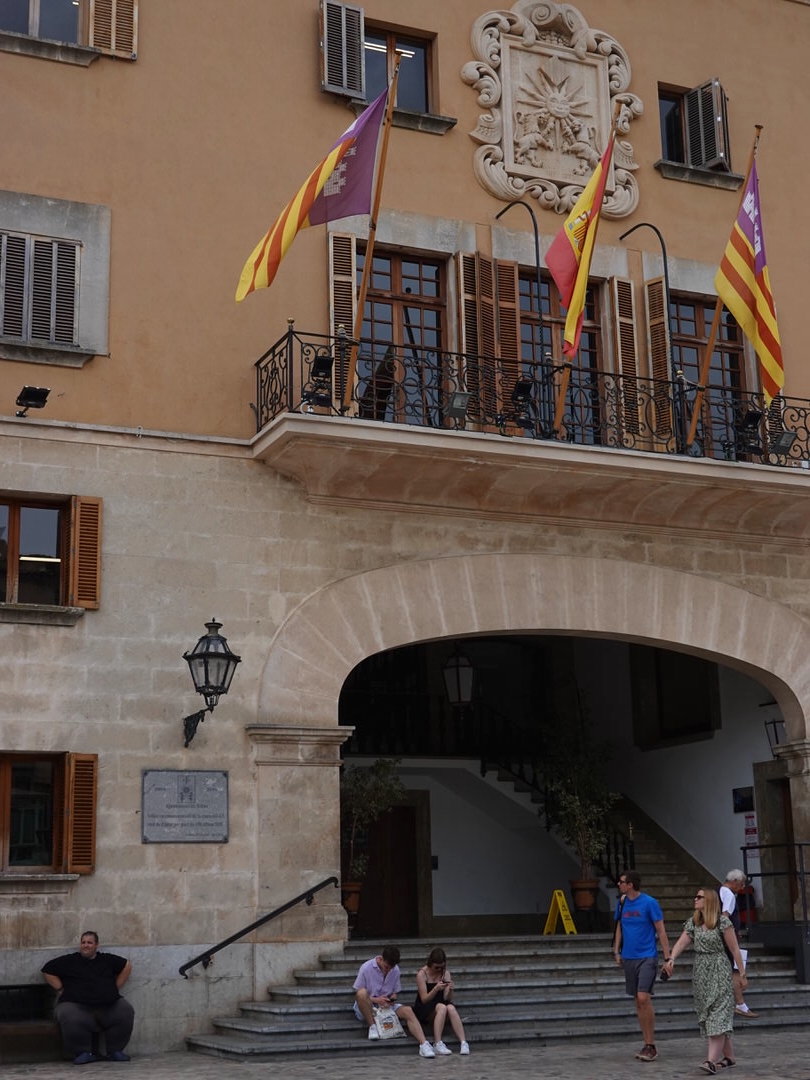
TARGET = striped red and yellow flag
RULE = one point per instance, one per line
(743, 284)
(339, 186)
(569, 257)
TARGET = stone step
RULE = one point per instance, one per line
(546, 1026)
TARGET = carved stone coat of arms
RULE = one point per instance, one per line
(551, 86)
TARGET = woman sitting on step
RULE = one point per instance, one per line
(434, 1001)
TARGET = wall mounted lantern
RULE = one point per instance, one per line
(459, 679)
(774, 726)
(212, 665)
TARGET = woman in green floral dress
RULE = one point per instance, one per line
(706, 932)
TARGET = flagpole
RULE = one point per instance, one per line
(565, 378)
(351, 370)
(703, 376)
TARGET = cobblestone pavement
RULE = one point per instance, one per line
(760, 1055)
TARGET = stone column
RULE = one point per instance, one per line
(796, 756)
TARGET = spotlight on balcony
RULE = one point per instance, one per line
(32, 397)
(522, 392)
(457, 405)
(319, 389)
(782, 443)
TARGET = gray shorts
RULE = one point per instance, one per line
(639, 975)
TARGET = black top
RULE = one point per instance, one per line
(87, 981)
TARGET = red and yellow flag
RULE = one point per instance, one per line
(569, 257)
(744, 286)
(339, 186)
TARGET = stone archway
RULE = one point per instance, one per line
(335, 628)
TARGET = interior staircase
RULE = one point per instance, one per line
(508, 990)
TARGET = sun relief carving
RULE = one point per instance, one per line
(550, 85)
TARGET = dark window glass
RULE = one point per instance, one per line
(31, 838)
(670, 110)
(40, 564)
(14, 16)
(59, 20)
(380, 50)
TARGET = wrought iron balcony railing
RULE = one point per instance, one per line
(432, 388)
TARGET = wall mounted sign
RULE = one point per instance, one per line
(184, 807)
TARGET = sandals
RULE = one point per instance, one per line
(726, 1063)
(713, 1067)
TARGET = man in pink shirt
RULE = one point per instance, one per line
(377, 984)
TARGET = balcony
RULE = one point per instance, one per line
(425, 430)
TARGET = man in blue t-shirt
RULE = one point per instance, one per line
(639, 929)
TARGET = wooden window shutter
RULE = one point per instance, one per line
(625, 350)
(706, 126)
(79, 850)
(53, 291)
(114, 27)
(342, 34)
(13, 261)
(342, 295)
(84, 552)
(659, 352)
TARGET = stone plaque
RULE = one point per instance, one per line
(182, 807)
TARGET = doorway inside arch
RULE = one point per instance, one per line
(471, 851)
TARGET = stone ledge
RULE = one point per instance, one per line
(40, 614)
(63, 51)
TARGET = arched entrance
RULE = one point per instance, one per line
(339, 626)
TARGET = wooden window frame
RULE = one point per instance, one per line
(79, 547)
(75, 792)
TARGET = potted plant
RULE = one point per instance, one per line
(366, 792)
(581, 802)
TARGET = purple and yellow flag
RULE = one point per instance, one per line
(569, 257)
(744, 286)
(338, 187)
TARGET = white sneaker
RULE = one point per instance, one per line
(373, 1033)
(426, 1050)
(465, 1048)
(440, 1048)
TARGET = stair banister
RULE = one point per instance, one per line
(307, 897)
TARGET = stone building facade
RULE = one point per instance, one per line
(327, 537)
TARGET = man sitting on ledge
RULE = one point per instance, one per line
(89, 983)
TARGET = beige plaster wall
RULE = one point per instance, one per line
(197, 146)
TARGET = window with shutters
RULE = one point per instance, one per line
(400, 367)
(695, 131)
(38, 289)
(54, 279)
(72, 31)
(48, 813)
(358, 59)
(690, 321)
(50, 552)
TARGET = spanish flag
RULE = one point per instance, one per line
(338, 187)
(569, 257)
(744, 286)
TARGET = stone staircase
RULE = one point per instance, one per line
(508, 990)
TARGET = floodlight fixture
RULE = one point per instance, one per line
(32, 397)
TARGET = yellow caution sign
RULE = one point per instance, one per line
(559, 910)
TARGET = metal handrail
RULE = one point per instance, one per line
(417, 386)
(205, 957)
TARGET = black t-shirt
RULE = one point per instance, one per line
(86, 981)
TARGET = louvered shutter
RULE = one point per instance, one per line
(342, 33)
(659, 352)
(13, 259)
(80, 813)
(626, 352)
(470, 335)
(53, 291)
(342, 297)
(706, 125)
(114, 27)
(84, 552)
